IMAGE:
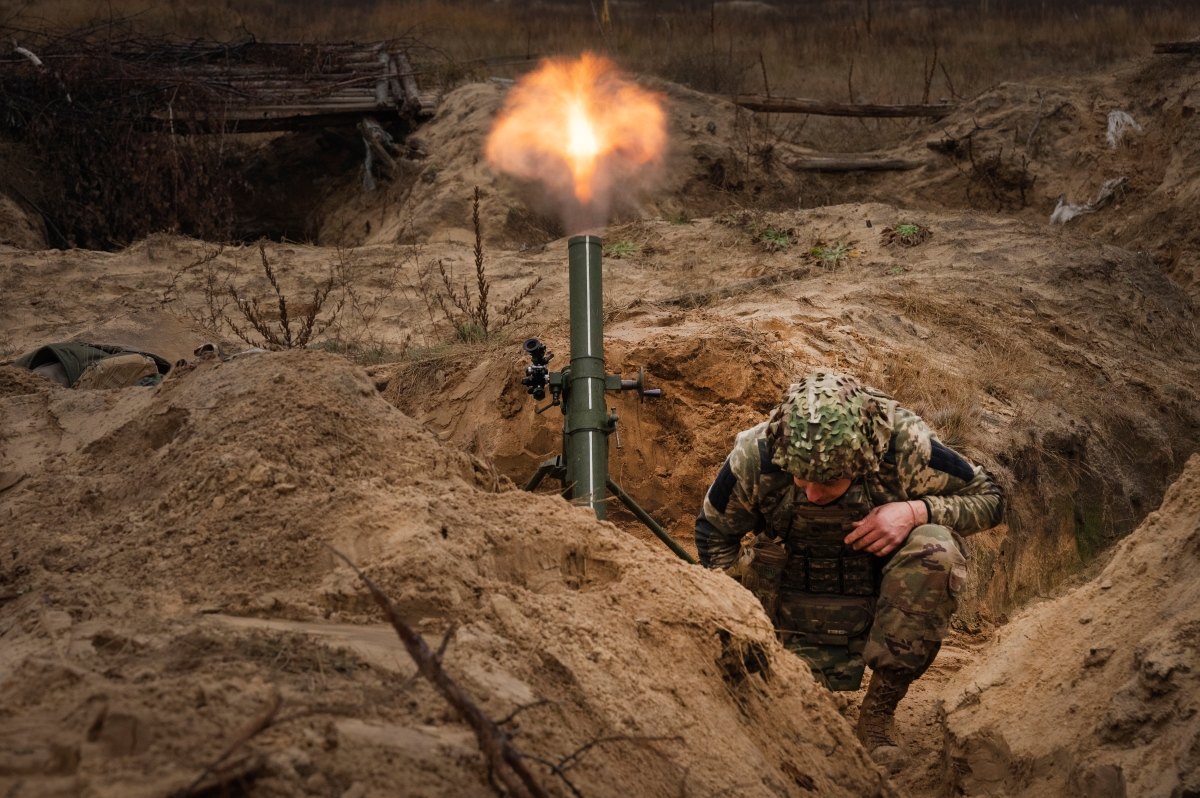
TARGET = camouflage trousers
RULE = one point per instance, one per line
(917, 595)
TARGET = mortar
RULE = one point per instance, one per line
(579, 390)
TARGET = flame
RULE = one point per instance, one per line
(581, 129)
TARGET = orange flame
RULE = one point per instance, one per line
(580, 128)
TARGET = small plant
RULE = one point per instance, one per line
(278, 334)
(772, 237)
(896, 270)
(621, 249)
(775, 240)
(906, 234)
(831, 255)
(470, 317)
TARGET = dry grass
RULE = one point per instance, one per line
(823, 49)
(948, 402)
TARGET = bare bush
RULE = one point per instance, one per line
(286, 331)
(1004, 180)
(470, 316)
(357, 331)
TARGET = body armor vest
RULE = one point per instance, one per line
(819, 592)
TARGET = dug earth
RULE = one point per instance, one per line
(165, 578)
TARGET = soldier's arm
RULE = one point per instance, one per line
(730, 507)
(957, 493)
(975, 506)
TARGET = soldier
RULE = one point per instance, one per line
(857, 509)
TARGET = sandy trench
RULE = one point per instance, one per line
(165, 572)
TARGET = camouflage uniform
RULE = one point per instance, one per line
(893, 456)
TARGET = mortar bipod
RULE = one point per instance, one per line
(538, 378)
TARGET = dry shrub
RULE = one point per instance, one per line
(998, 178)
(357, 330)
(291, 327)
(470, 317)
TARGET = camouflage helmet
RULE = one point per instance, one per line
(829, 427)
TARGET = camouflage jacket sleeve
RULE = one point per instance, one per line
(959, 494)
(731, 505)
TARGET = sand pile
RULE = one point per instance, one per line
(164, 575)
(1095, 693)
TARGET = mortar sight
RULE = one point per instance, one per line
(537, 375)
(536, 350)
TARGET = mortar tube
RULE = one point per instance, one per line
(586, 424)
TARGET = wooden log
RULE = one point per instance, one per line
(412, 94)
(272, 123)
(370, 134)
(1177, 48)
(854, 165)
(796, 105)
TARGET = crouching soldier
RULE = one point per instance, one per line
(857, 509)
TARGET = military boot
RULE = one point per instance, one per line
(877, 718)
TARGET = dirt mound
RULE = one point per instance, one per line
(167, 576)
(16, 381)
(1017, 149)
(1094, 693)
(19, 228)
(1066, 366)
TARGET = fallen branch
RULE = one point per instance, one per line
(697, 299)
(252, 727)
(503, 759)
(796, 105)
(561, 767)
(854, 165)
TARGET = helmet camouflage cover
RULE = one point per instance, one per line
(830, 427)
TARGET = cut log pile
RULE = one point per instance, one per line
(244, 87)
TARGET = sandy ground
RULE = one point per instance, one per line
(1093, 693)
(166, 576)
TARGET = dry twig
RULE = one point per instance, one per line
(561, 767)
(503, 759)
(248, 730)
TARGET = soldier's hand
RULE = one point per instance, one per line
(886, 527)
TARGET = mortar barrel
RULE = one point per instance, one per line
(585, 434)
